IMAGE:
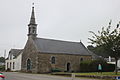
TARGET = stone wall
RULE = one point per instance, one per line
(45, 64)
(29, 53)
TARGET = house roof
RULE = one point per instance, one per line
(15, 52)
(57, 46)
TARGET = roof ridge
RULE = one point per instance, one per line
(58, 40)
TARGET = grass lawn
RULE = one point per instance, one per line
(91, 75)
(98, 74)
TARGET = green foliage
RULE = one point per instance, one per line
(2, 68)
(96, 74)
(109, 40)
(92, 66)
(2, 59)
(56, 70)
(97, 50)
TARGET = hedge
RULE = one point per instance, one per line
(92, 66)
(56, 70)
(2, 68)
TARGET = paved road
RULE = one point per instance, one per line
(26, 76)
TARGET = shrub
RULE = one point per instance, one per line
(2, 68)
(56, 70)
(92, 66)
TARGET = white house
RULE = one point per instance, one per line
(13, 62)
(112, 61)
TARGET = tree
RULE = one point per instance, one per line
(109, 40)
(97, 50)
(2, 59)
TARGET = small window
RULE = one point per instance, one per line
(33, 31)
(10, 65)
(13, 65)
(53, 60)
(34, 28)
(7, 64)
(29, 30)
(81, 59)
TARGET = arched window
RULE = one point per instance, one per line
(33, 31)
(53, 60)
(29, 30)
(81, 59)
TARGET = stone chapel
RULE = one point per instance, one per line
(42, 55)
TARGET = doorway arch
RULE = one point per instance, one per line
(28, 64)
(68, 67)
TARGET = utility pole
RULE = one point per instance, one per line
(4, 55)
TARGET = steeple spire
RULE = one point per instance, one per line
(32, 19)
(32, 26)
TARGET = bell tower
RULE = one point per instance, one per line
(32, 26)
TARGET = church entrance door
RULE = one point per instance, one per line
(68, 67)
(28, 64)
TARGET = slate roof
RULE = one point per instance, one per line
(15, 52)
(57, 46)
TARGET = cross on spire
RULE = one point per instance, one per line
(33, 4)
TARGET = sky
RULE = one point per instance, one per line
(68, 20)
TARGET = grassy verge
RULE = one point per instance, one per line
(99, 74)
(91, 75)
